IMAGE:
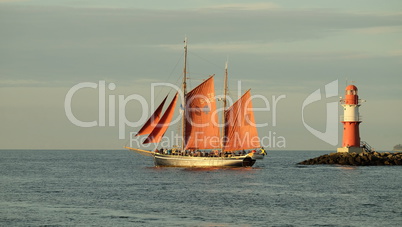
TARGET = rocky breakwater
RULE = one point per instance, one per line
(353, 159)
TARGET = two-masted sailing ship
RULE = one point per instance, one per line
(204, 143)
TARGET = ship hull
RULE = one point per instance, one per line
(188, 161)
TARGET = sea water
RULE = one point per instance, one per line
(121, 188)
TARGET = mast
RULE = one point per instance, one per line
(184, 86)
(225, 88)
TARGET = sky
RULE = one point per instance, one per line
(283, 50)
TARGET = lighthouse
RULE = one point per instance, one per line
(351, 120)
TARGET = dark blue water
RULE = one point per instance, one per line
(121, 188)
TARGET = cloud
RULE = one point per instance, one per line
(1, 1)
(379, 30)
(232, 23)
(244, 6)
(228, 47)
(85, 44)
(22, 83)
(395, 53)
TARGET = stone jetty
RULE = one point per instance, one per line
(354, 159)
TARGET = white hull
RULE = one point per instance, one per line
(188, 161)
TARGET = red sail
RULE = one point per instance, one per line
(157, 133)
(202, 130)
(240, 130)
(153, 120)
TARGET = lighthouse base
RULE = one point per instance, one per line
(356, 150)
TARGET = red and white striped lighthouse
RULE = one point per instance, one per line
(351, 120)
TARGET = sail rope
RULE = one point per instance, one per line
(177, 82)
(206, 60)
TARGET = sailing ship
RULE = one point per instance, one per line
(202, 144)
